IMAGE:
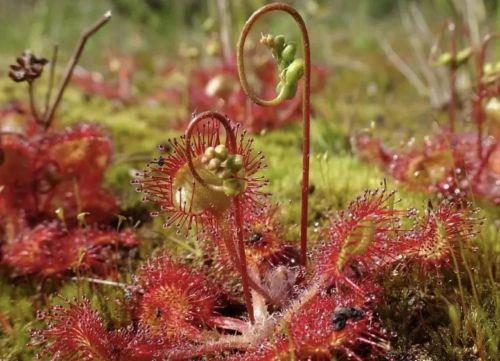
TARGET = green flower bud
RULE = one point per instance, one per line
(278, 44)
(210, 152)
(237, 163)
(289, 90)
(290, 78)
(275, 43)
(233, 162)
(221, 152)
(288, 54)
(294, 71)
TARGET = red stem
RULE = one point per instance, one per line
(306, 109)
(241, 257)
(234, 255)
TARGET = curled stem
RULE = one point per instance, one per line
(241, 257)
(481, 91)
(231, 138)
(306, 108)
(49, 116)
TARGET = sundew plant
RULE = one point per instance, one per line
(240, 240)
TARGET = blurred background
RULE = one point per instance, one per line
(373, 50)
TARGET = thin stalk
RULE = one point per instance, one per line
(306, 100)
(451, 28)
(34, 110)
(452, 106)
(225, 29)
(475, 293)
(72, 64)
(48, 95)
(459, 279)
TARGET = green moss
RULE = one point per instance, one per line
(17, 316)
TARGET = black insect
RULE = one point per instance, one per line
(255, 239)
(343, 314)
(161, 161)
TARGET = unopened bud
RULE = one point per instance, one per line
(236, 163)
(295, 70)
(205, 159)
(213, 164)
(221, 152)
(210, 152)
(288, 53)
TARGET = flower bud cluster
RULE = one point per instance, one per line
(291, 69)
(225, 166)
